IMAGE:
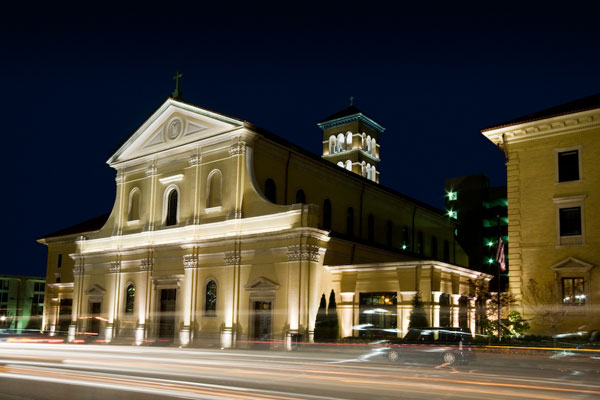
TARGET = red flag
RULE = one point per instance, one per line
(500, 254)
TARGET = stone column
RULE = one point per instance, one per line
(404, 309)
(152, 173)
(455, 310)
(347, 313)
(143, 294)
(78, 270)
(189, 296)
(194, 162)
(231, 305)
(472, 314)
(114, 301)
(435, 308)
(238, 152)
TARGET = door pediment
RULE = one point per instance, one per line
(261, 284)
(572, 264)
(95, 291)
(174, 124)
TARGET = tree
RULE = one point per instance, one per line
(321, 321)
(332, 318)
(418, 318)
(486, 312)
(543, 302)
(516, 325)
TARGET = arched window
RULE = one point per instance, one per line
(368, 171)
(446, 251)
(129, 298)
(389, 229)
(300, 196)
(214, 189)
(420, 243)
(341, 142)
(350, 221)
(434, 248)
(349, 165)
(340, 164)
(134, 205)
(363, 170)
(172, 201)
(349, 141)
(332, 149)
(363, 141)
(368, 144)
(327, 215)
(271, 190)
(210, 303)
(370, 228)
(405, 240)
(374, 173)
(373, 146)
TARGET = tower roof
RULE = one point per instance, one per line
(348, 114)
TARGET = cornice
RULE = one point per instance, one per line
(350, 118)
(543, 128)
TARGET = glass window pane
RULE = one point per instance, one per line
(570, 221)
(568, 166)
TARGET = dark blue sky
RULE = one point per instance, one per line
(76, 86)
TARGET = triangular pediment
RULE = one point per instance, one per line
(95, 290)
(173, 125)
(261, 284)
(572, 263)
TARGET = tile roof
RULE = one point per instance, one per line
(346, 112)
(584, 104)
(90, 225)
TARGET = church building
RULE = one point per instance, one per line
(225, 234)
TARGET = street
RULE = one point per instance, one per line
(63, 371)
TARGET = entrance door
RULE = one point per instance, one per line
(95, 309)
(262, 320)
(166, 323)
(64, 315)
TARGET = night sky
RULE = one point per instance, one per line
(77, 85)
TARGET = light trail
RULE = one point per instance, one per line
(120, 368)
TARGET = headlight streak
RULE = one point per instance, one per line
(84, 362)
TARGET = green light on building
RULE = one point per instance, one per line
(490, 243)
(452, 196)
(490, 260)
(452, 214)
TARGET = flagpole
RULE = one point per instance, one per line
(498, 280)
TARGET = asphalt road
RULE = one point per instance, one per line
(62, 371)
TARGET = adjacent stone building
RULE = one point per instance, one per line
(553, 189)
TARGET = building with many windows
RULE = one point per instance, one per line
(481, 213)
(553, 189)
(21, 303)
(223, 233)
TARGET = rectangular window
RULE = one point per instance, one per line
(4, 297)
(573, 291)
(378, 314)
(38, 286)
(3, 284)
(570, 221)
(59, 261)
(568, 166)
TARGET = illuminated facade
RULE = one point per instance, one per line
(224, 234)
(553, 188)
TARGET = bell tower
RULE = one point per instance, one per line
(351, 140)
